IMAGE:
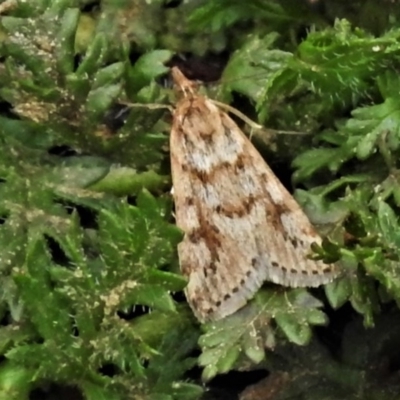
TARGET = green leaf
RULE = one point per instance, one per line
(296, 331)
(66, 38)
(246, 330)
(124, 181)
(15, 381)
(177, 337)
(221, 15)
(99, 100)
(93, 391)
(94, 57)
(345, 59)
(35, 289)
(314, 160)
(147, 68)
(389, 225)
(80, 171)
(253, 348)
(108, 75)
(217, 16)
(226, 361)
(252, 65)
(148, 295)
(375, 121)
(364, 298)
(338, 292)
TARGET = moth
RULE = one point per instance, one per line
(241, 226)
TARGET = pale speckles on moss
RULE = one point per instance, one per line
(113, 298)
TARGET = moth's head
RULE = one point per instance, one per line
(181, 83)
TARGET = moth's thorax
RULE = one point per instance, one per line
(201, 128)
(198, 114)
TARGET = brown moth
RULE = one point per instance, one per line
(242, 227)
